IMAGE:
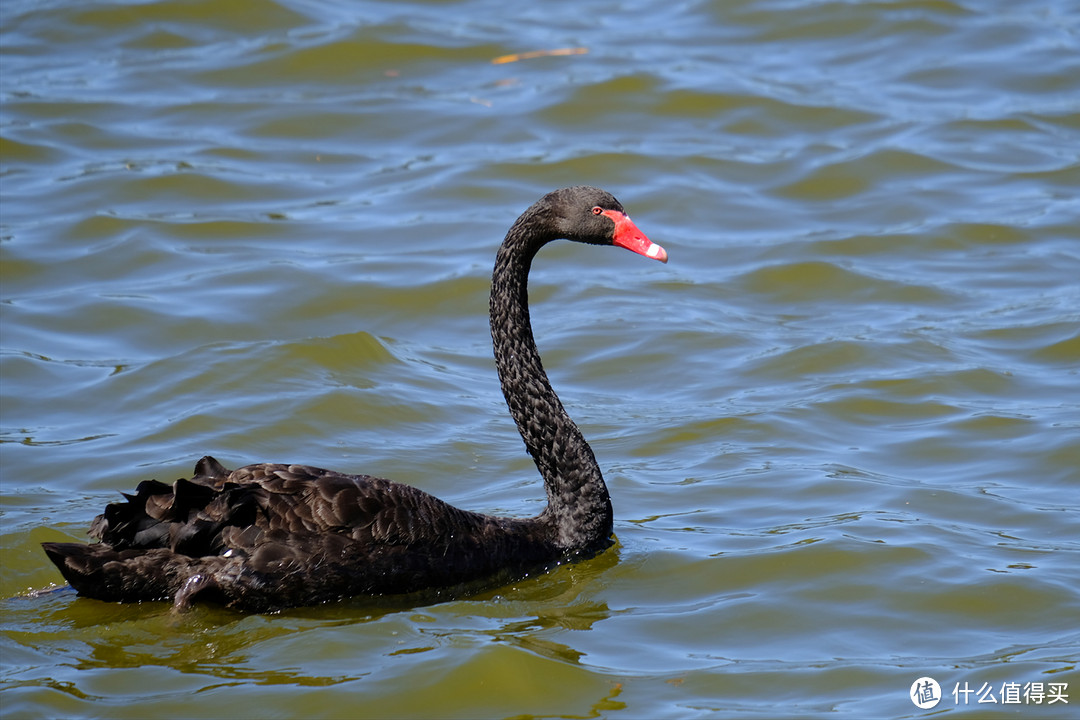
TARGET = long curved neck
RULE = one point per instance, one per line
(579, 508)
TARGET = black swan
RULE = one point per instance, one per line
(270, 536)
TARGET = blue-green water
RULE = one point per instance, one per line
(841, 427)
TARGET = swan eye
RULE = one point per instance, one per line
(597, 210)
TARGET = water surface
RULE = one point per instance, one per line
(841, 427)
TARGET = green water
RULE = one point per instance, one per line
(841, 427)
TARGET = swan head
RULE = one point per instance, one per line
(591, 215)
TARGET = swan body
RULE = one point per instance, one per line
(268, 536)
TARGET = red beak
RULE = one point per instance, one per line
(627, 235)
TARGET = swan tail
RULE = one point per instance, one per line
(101, 572)
(154, 542)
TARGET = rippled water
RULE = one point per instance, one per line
(841, 427)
